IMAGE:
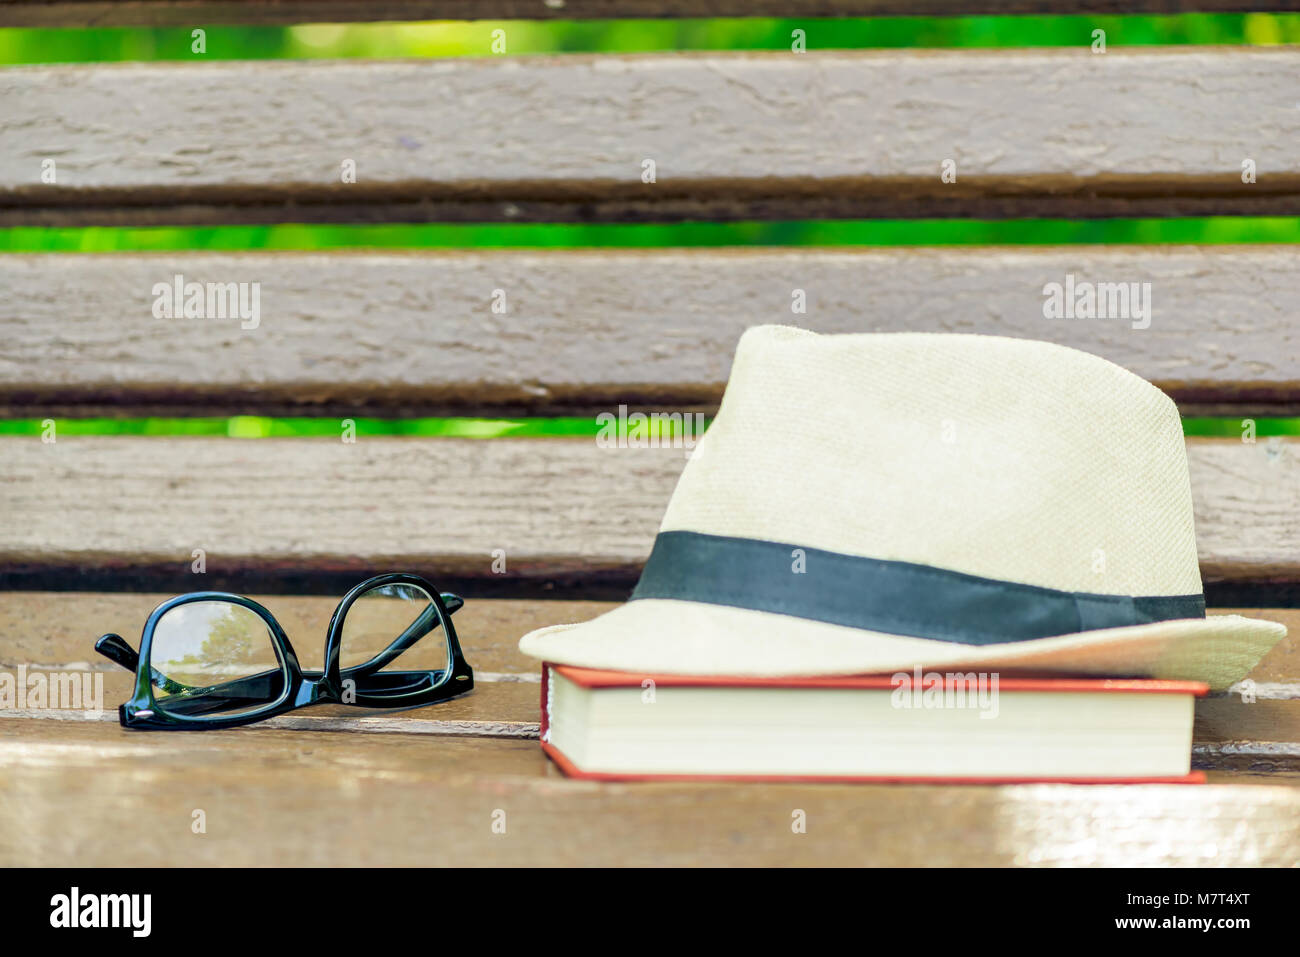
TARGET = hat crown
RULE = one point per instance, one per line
(1007, 459)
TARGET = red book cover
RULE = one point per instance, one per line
(594, 678)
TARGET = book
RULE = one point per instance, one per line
(912, 726)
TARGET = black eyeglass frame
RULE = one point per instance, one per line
(373, 689)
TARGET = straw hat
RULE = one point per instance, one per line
(880, 502)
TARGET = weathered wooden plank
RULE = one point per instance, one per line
(415, 333)
(296, 509)
(57, 629)
(1259, 485)
(87, 794)
(732, 135)
(46, 634)
(1260, 737)
(52, 632)
(103, 13)
(279, 511)
(505, 711)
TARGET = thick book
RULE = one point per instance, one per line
(917, 727)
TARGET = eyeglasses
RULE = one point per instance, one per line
(214, 660)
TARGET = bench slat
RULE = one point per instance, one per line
(563, 512)
(1229, 735)
(52, 632)
(414, 333)
(106, 13)
(379, 812)
(733, 135)
(58, 629)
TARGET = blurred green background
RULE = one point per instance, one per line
(473, 38)
(470, 39)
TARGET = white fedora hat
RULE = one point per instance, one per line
(879, 502)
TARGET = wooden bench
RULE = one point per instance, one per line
(99, 528)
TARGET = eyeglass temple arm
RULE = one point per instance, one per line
(114, 648)
(422, 625)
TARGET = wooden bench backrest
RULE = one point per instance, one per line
(733, 136)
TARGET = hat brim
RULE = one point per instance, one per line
(666, 636)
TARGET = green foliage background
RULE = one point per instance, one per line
(472, 38)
